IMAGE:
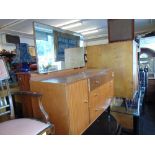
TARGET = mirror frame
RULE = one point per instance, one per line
(58, 30)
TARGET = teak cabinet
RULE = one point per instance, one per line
(75, 100)
(121, 57)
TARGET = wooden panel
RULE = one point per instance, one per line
(150, 93)
(118, 57)
(77, 96)
(37, 77)
(135, 67)
(24, 85)
(111, 91)
(23, 81)
(126, 121)
(54, 102)
(98, 98)
(94, 100)
(97, 81)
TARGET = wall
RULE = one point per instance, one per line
(29, 41)
(96, 42)
(12, 47)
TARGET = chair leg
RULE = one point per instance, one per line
(51, 131)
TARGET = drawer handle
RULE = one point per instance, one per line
(99, 109)
(85, 101)
(95, 94)
(97, 82)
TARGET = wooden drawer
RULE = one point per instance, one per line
(95, 113)
(98, 80)
(99, 99)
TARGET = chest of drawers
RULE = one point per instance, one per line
(74, 101)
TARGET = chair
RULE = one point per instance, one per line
(21, 126)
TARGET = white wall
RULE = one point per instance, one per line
(12, 47)
(29, 41)
(96, 42)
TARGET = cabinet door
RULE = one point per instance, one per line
(77, 98)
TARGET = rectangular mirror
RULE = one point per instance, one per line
(51, 43)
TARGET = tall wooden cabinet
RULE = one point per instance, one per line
(75, 100)
(121, 57)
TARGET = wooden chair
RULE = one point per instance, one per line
(21, 126)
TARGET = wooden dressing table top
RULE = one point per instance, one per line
(77, 76)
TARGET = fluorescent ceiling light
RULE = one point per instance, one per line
(72, 25)
(66, 23)
(90, 32)
(85, 30)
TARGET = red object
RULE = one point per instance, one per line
(33, 67)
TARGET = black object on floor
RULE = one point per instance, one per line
(106, 124)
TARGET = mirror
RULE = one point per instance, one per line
(51, 43)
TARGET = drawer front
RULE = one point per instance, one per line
(100, 99)
(98, 80)
(95, 113)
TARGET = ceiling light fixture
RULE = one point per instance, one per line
(90, 32)
(66, 23)
(85, 30)
(72, 25)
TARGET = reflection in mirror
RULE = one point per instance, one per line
(74, 58)
(51, 43)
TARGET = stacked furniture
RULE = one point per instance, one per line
(122, 58)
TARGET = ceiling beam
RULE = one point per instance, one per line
(13, 23)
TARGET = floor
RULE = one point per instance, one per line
(104, 125)
(146, 124)
(147, 120)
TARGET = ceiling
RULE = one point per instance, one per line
(25, 26)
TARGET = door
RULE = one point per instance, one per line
(77, 98)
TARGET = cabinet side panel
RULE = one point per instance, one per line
(24, 85)
(54, 102)
(135, 67)
(118, 57)
(77, 96)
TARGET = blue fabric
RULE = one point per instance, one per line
(22, 54)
